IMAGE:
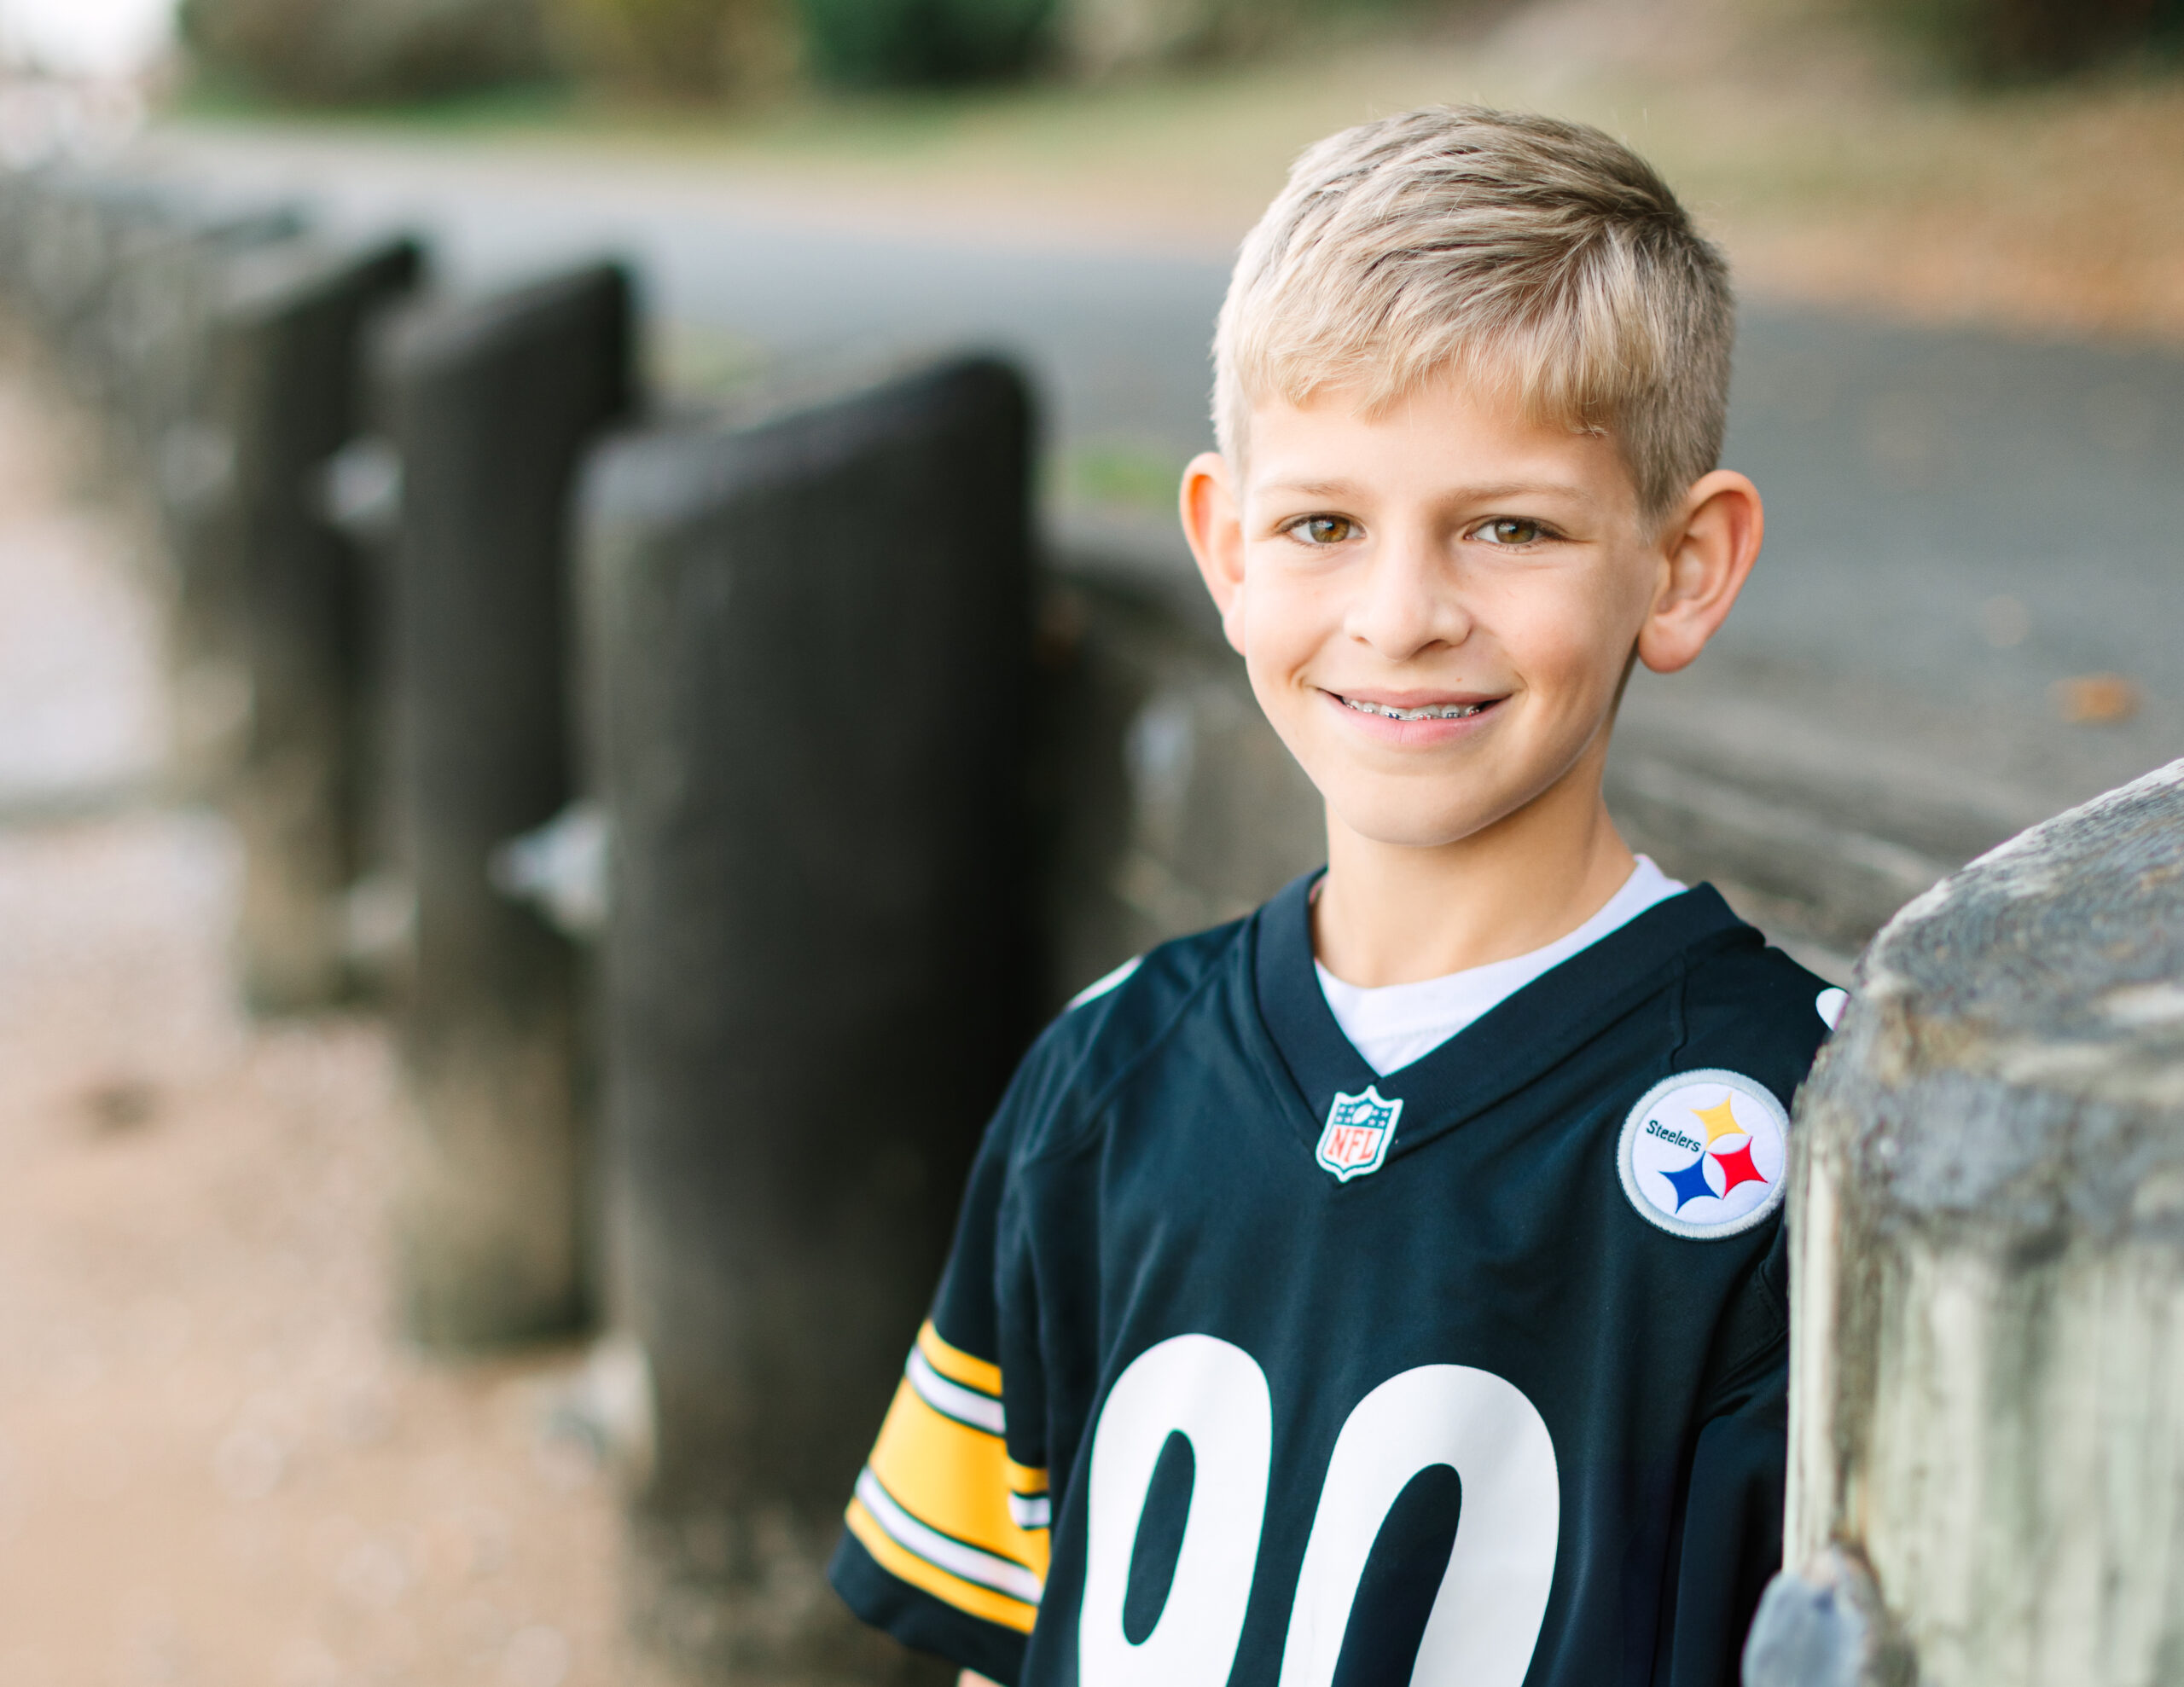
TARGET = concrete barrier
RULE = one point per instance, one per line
(1987, 1411)
(272, 612)
(490, 405)
(807, 638)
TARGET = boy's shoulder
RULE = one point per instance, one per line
(1750, 1007)
(1112, 1025)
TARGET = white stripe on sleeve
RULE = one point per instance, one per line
(1003, 1575)
(953, 1400)
(1031, 1511)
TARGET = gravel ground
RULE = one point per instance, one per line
(218, 1464)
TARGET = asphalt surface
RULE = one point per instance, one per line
(1959, 523)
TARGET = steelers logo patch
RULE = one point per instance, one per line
(1705, 1154)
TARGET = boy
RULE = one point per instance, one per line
(1388, 1287)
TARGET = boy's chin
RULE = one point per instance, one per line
(1396, 823)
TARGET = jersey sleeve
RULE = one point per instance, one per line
(946, 1543)
(1729, 1532)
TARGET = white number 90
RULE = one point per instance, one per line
(1486, 1616)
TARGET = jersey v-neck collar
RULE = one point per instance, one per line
(1528, 1031)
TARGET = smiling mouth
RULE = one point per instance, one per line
(1431, 711)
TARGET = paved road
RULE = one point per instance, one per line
(1958, 521)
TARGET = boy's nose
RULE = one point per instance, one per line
(1407, 601)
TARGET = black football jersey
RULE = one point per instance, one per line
(1252, 1365)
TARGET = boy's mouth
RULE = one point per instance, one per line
(1425, 711)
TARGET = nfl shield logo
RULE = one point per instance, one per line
(1359, 1129)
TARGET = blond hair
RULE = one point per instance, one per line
(1542, 257)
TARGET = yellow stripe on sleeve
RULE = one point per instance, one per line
(1023, 1479)
(957, 1365)
(956, 1479)
(905, 1565)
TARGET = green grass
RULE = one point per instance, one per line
(518, 107)
(1119, 473)
(699, 361)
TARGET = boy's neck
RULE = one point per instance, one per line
(1396, 914)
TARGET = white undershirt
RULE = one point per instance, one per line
(1397, 1023)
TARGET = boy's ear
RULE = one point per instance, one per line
(1707, 550)
(1215, 528)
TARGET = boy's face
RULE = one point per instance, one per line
(1437, 605)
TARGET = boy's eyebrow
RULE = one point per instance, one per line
(1315, 489)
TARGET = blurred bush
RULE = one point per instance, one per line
(679, 49)
(2034, 40)
(389, 51)
(1100, 37)
(879, 42)
(905, 42)
(346, 51)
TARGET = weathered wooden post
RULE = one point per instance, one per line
(158, 309)
(275, 584)
(808, 642)
(1987, 1410)
(490, 405)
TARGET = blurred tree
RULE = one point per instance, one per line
(903, 42)
(2034, 40)
(681, 49)
(1101, 37)
(344, 51)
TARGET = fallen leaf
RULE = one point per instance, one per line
(2091, 699)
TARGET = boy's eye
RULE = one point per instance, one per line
(1510, 529)
(1325, 530)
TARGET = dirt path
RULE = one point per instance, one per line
(217, 1466)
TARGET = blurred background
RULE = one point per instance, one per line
(258, 1421)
